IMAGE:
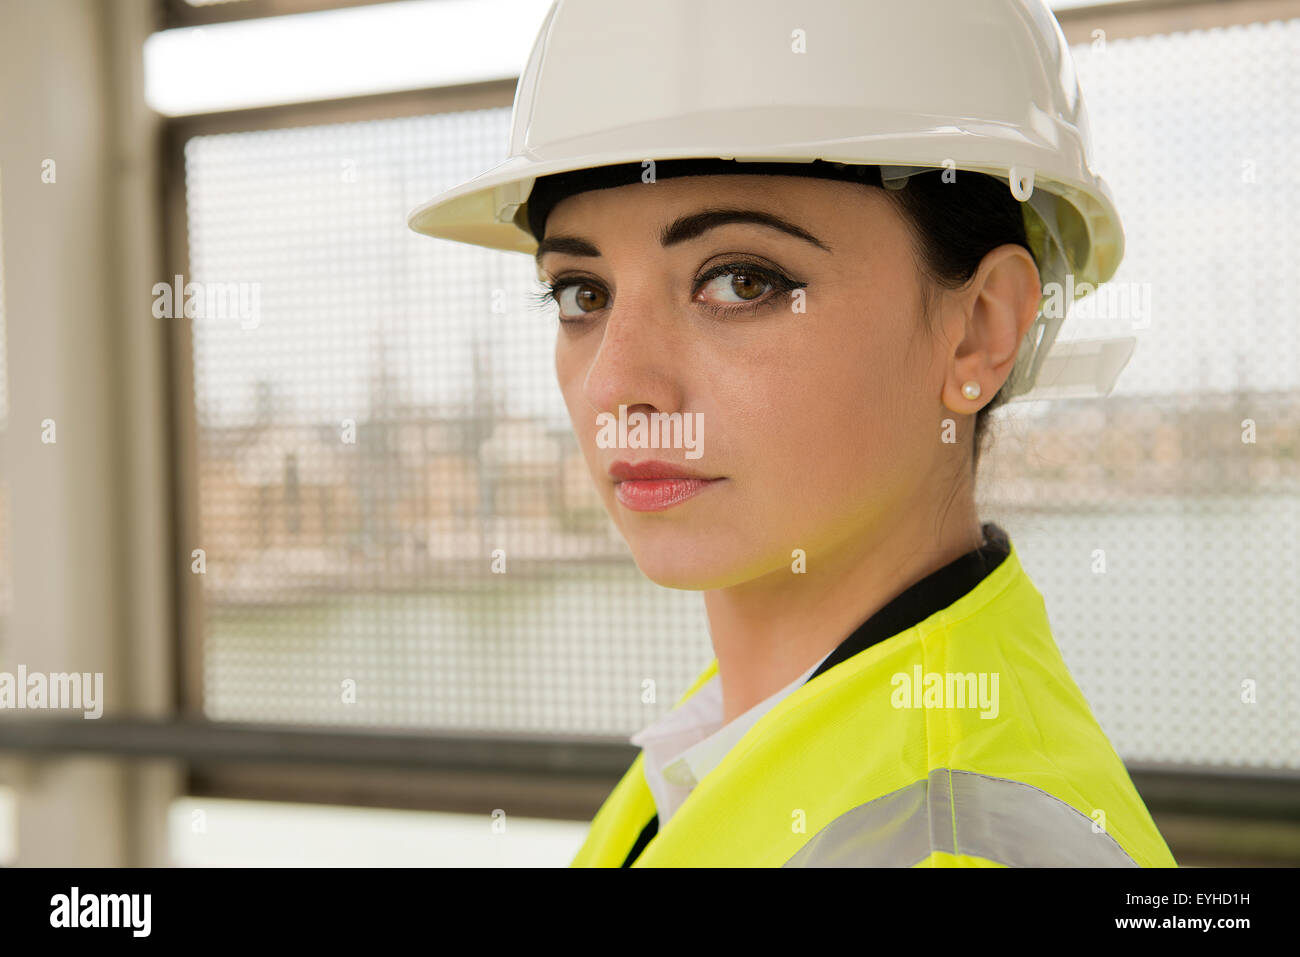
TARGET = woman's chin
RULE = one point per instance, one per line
(685, 579)
(690, 565)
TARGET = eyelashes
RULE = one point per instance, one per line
(778, 282)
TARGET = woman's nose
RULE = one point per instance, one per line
(639, 358)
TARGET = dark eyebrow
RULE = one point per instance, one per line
(683, 229)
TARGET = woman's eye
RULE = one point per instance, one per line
(736, 289)
(579, 298)
(728, 290)
(744, 286)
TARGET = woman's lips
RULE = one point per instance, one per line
(655, 486)
(655, 495)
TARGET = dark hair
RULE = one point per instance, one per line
(954, 226)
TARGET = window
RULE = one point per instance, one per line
(380, 436)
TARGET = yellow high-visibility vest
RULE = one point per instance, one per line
(896, 755)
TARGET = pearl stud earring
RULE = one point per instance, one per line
(971, 390)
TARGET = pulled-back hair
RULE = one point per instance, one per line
(954, 226)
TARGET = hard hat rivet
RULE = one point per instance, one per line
(1022, 183)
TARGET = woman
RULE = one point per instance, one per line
(831, 260)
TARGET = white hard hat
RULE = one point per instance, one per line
(986, 86)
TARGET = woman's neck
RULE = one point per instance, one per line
(769, 630)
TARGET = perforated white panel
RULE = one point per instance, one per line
(1163, 524)
(368, 558)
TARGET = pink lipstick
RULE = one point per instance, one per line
(656, 486)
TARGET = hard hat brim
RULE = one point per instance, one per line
(488, 210)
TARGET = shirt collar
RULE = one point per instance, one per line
(702, 757)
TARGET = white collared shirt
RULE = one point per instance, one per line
(690, 741)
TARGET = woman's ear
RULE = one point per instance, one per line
(997, 309)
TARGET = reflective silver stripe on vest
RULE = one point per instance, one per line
(961, 812)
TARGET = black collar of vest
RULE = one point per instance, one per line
(918, 602)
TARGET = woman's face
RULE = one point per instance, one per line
(821, 408)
